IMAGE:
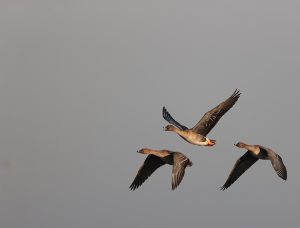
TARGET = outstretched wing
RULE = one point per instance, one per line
(241, 165)
(169, 118)
(180, 163)
(151, 163)
(211, 118)
(277, 164)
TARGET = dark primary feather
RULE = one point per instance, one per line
(241, 165)
(278, 165)
(180, 163)
(211, 118)
(169, 118)
(151, 163)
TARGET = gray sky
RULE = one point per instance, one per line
(82, 85)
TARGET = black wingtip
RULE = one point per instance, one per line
(236, 93)
(165, 114)
(223, 188)
(132, 187)
(164, 111)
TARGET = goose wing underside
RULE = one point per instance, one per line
(167, 116)
(180, 163)
(241, 165)
(278, 165)
(151, 163)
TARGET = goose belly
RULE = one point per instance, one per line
(196, 139)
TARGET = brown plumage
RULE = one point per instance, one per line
(254, 153)
(157, 158)
(197, 134)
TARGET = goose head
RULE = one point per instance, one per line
(240, 145)
(169, 128)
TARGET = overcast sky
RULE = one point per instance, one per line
(82, 86)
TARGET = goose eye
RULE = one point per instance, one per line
(203, 139)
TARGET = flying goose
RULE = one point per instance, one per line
(197, 134)
(157, 158)
(254, 153)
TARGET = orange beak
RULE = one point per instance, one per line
(211, 142)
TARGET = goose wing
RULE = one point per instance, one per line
(151, 163)
(180, 163)
(241, 165)
(211, 118)
(277, 164)
(167, 116)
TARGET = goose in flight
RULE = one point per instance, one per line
(197, 134)
(157, 158)
(254, 153)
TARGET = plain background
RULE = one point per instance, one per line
(82, 85)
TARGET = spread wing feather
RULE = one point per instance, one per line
(151, 163)
(211, 118)
(180, 163)
(167, 116)
(241, 165)
(278, 165)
